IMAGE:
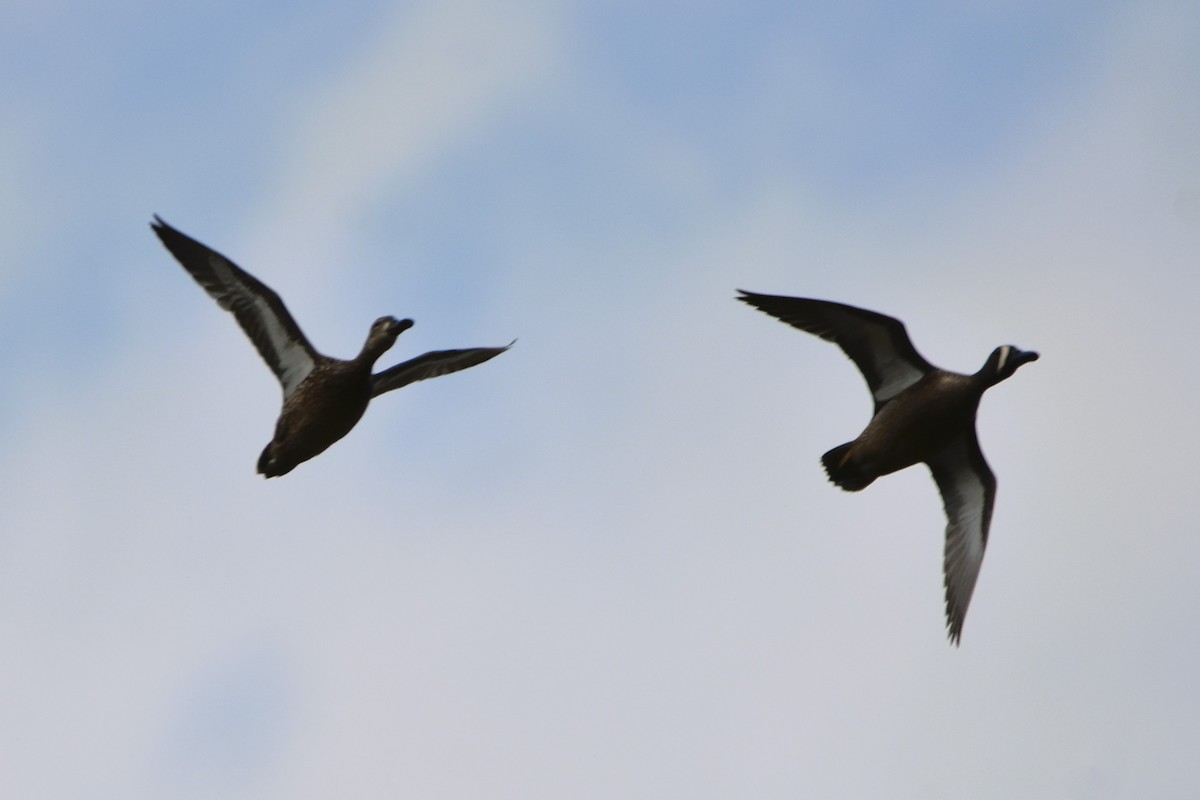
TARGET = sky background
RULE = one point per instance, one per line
(606, 564)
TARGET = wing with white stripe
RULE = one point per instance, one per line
(256, 307)
(877, 344)
(968, 490)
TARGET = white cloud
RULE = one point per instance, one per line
(435, 76)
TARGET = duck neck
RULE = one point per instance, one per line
(371, 351)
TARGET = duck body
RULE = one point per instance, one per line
(323, 397)
(909, 429)
(323, 409)
(923, 414)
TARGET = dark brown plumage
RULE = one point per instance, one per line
(922, 414)
(323, 397)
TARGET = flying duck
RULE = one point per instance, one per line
(323, 397)
(922, 414)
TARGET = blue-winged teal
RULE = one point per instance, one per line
(922, 414)
(323, 397)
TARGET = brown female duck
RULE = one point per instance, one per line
(323, 397)
(922, 414)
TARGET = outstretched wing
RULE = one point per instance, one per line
(257, 309)
(877, 344)
(968, 490)
(431, 365)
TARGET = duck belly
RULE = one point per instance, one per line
(897, 438)
(311, 421)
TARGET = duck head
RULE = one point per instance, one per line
(1004, 361)
(383, 334)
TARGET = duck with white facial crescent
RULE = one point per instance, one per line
(922, 414)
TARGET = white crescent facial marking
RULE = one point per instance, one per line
(1005, 351)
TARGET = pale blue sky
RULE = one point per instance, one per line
(606, 564)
